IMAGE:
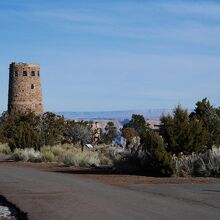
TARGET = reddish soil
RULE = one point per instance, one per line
(108, 177)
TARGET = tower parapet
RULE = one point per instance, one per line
(25, 88)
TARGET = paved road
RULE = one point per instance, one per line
(52, 196)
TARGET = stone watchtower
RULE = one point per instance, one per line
(24, 88)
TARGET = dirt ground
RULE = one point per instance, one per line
(106, 176)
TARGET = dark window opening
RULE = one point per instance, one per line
(16, 73)
(32, 86)
(32, 73)
(38, 73)
(24, 73)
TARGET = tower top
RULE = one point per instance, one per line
(24, 64)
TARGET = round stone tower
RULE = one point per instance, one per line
(24, 88)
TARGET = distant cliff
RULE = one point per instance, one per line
(153, 114)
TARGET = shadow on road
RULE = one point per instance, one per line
(211, 190)
(100, 171)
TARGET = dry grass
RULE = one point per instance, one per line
(5, 149)
(28, 154)
(206, 164)
(67, 154)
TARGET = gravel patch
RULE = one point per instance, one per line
(8, 211)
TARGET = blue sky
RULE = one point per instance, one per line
(100, 55)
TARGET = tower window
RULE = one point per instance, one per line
(16, 73)
(24, 73)
(38, 73)
(32, 86)
(32, 73)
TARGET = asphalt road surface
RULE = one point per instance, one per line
(51, 196)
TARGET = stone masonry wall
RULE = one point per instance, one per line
(25, 88)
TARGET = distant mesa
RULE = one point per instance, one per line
(24, 91)
(123, 116)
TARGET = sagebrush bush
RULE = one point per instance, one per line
(81, 159)
(90, 158)
(69, 159)
(27, 154)
(148, 155)
(5, 149)
(105, 160)
(203, 164)
(54, 153)
(58, 150)
(67, 154)
(108, 154)
(47, 156)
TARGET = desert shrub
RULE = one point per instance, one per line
(203, 164)
(209, 116)
(213, 162)
(81, 159)
(28, 130)
(87, 158)
(194, 132)
(67, 154)
(138, 123)
(79, 133)
(92, 158)
(183, 164)
(108, 154)
(52, 128)
(133, 146)
(20, 130)
(110, 133)
(27, 154)
(183, 133)
(57, 150)
(70, 155)
(5, 149)
(154, 157)
(146, 155)
(69, 159)
(47, 155)
(52, 153)
(105, 160)
(129, 133)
